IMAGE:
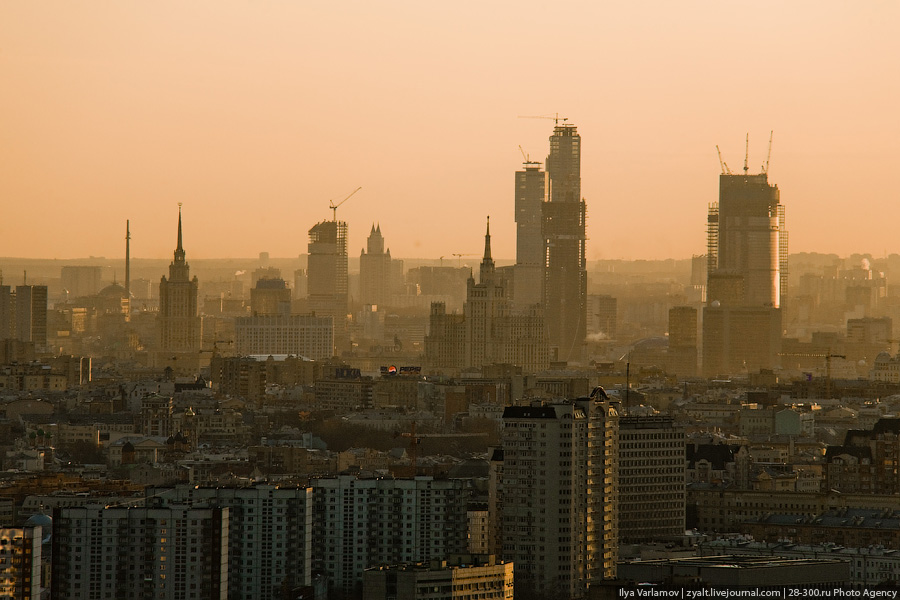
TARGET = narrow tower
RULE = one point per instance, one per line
(128, 260)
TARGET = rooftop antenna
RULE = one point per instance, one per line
(769, 155)
(746, 153)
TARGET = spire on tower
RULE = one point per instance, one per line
(128, 259)
(179, 248)
(487, 240)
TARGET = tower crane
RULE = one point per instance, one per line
(555, 116)
(746, 154)
(459, 257)
(769, 155)
(334, 206)
(722, 163)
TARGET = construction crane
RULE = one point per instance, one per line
(415, 438)
(722, 163)
(555, 116)
(746, 154)
(769, 155)
(334, 206)
(459, 258)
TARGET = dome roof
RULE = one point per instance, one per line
(45, 521)
(113, 290)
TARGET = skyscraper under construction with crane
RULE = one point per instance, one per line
(563, 229)
(747, 274)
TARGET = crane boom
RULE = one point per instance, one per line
(769, 155)
(334, 206)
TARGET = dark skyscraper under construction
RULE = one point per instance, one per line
(563, 227)
(747, 275)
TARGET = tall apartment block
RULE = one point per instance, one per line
(270, 297)
(563, 229)
(528, 279)
(559, 494)
(361, 523)
(180, 326)
(270, 534)
(651, 479)
(80, 281)
(169, 553)
(747, 276)
(20, 563)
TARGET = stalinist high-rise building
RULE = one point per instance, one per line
(747, 275)
(563, 229)
(180, 326)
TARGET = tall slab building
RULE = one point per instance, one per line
(563, 230)
(180, 326)
(747, 276)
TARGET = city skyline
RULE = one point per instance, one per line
(124, 112)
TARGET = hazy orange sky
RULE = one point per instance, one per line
(255, 114)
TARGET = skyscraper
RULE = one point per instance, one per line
(747, 275)
(180, 326)
(563, 228)
(375, 270)
(327, 270)
(529, 268)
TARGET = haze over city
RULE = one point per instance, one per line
(256, 115)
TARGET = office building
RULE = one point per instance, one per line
(361, 523)
(528, 280)
(602, 316)
(559, 494)
(651, 479)
(80, 281)
(310, 336)
(180, 326)
(165, 552)
(747, 276)
(682, 353)
(270, 534)
(563, 229)
(327, 269)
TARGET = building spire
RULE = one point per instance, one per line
(487, 241)
(128, 259)
(179, 248)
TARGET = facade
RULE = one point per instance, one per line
(651, 479)
(20, 563)
(180, 326)
(361, 523)
(602, 316)
(463, 576)
(270, 534)
(563, 228)
(489, 330)
(170, 552)
(375, 271)
(310, 336)
(747, 276)
(558, 496)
